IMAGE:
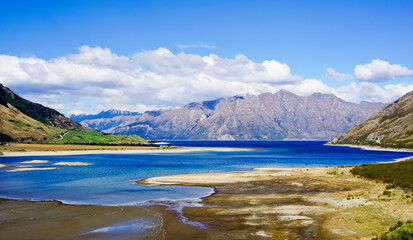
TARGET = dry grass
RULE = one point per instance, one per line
(17, 125)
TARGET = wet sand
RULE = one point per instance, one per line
(20, 219)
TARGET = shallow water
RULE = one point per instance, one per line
(108, 180)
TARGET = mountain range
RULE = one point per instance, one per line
(391, 127)
(103, 114)
(104, 120)
(278, 116)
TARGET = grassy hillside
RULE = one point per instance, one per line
(391, 127)
(16, 126)
(27, 122)
(36, 111)
(95, 137)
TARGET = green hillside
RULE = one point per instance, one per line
(28, 122)
(99, 138)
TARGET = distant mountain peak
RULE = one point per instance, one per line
(283, 91)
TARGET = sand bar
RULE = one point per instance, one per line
(30, 169)
(72, 164)
(373, 148)
(36, 161)
(212, 179)
(6, 166)
(135, 151)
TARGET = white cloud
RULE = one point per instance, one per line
(97, 79)
(148, 79)
(339, 77)
(309, 86)
(380, 71)
(366, 91)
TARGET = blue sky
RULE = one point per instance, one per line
(308, 36)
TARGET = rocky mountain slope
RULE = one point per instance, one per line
(105, 119)
(282, 115)
(391, 127)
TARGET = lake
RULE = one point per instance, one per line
(108, 180)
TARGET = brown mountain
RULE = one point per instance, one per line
(391, 127)
(282, 115)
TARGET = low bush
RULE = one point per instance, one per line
(401, 231)
(399, 174)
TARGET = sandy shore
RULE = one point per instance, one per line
(373, 148)
(136, 151)
(213, 179)
(293, 203)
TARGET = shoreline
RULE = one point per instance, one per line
(293, 203)
(136, 151)
(284, 203)
(317, 202)
(371, 148)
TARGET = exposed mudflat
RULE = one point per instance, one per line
(313, 203)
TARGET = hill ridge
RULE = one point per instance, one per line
(390, 127)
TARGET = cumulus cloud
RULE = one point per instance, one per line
(148, 79)
(367, 91)
(97, 79)
(380, 71)
(339, 77)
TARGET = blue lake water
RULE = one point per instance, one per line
(108, 180)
